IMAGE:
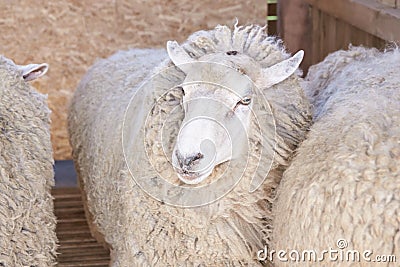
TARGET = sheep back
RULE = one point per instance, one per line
(344, 180)
(27, 221)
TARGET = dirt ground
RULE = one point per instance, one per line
(70, 35)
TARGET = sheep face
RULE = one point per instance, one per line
(217, 102)
(218, 98)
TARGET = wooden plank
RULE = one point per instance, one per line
(347, 35)
(368, 15)
(340, 34)
(70, 213)
(323, 28)
(293, 15)
(70, 220)
(74, 258)
(272, 27)
(272, 13)
(90, 244)
(331, 44)
(68, 204)
(67, 197)
(272, 7)
(66, 191)
(74, 232)
(316, 35)
(377, 42)
(357, 37)
(368, 40)
(77, 248)
(73, 224)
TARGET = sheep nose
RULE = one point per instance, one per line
(187, 162)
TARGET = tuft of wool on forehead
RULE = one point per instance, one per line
(250, 40)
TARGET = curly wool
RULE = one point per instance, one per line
(140, 230)
(344, 181)
(27, 221)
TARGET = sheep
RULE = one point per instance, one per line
(342, 189)
(148, 201)
(27, 221)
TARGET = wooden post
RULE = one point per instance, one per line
(294, 27)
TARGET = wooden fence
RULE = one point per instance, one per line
(323, 26)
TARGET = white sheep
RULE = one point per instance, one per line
(27, 221)
(127, 125)
(342, 190)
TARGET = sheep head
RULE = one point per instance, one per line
(218, 93)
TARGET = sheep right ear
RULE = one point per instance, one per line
(33, 71)
(280, 71)
(179, 56)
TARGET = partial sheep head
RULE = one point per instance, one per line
(218, 93)
(28, 72)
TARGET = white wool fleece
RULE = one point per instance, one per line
(343, 186)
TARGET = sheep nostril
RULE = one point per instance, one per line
(198, 156)
(192, 159)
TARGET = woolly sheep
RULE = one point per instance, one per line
(27, 222)
(142, 230)
(342, 190)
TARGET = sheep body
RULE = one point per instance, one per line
(140, 230)
(27, 222)
(344, 181)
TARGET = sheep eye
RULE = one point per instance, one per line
(232, 53)
(245, 101)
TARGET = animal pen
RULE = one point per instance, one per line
(70, 35)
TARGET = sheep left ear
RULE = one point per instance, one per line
(280, 71)
(33, 71)
(179, 56)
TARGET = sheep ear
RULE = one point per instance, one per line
(33, 71)
(280, 71)
(179, 56)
